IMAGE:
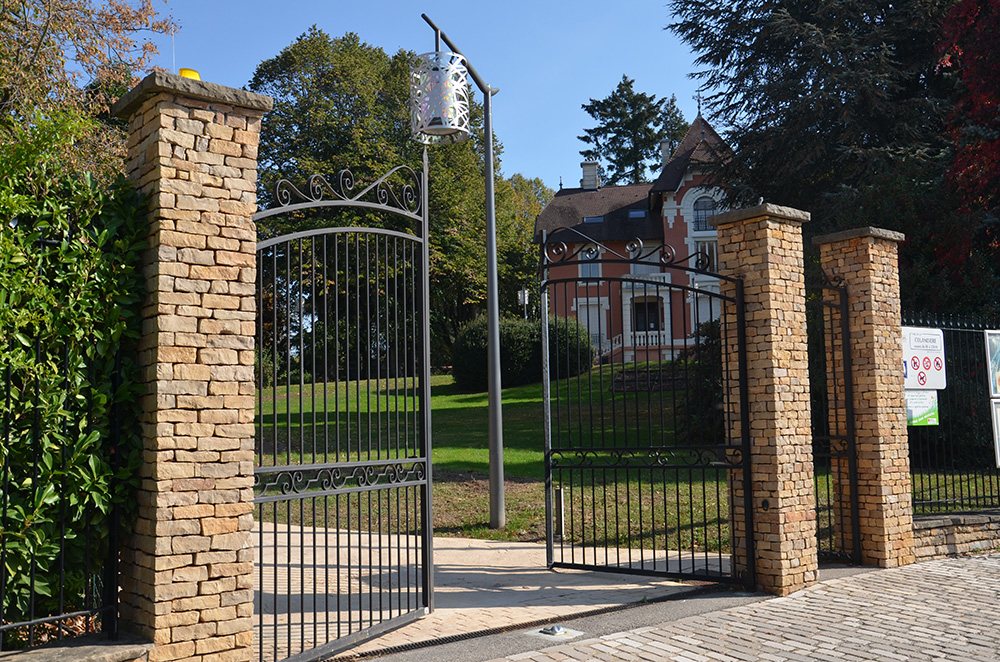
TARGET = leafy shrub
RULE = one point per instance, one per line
(571, 349)
(701, 413)
(570, 352)
(69, 297)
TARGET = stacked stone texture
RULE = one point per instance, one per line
(763, 246)
(187, 568)
(866, 260)
(948, 535)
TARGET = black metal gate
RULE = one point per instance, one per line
(832, 393)
(343, 474)
(646, 423)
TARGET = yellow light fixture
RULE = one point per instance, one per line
(190, 73)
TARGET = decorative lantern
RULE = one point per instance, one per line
(439, 99)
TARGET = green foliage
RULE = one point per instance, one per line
(342, 103)
(519, 201)
(818, 98)
(69, 294)
(841, 109)
(701, 415)
(948, 262)
(570, 352)
(630, 127)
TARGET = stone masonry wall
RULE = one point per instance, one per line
(866, 261)
(763, 245)
(939, 536)
(187, 568)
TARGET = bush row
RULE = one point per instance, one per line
(570, 352)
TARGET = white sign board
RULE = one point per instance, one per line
(923, 359)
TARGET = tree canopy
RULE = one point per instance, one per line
(969, 45)
(841, 109)
(76, 56)
(342, 103)
(630, 127)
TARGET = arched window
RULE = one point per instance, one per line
(703, 208)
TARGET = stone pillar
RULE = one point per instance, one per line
(186, 572)
(763, 246)
(866, 261)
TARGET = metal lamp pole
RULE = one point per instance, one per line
(498, 513)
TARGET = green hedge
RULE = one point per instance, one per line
(570, 352)
(70, 293)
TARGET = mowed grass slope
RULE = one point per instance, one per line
(362, 420)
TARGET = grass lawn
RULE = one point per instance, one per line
(375, 411)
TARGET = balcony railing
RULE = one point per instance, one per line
(641, 339)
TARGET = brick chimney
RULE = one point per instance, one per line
(666, 151)
(591, 179)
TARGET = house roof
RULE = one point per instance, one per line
(570, 205)
(701, 144)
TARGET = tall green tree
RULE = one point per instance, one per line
(630, 127)
(342, 103)
(840, 108)
(819, 97)
(519, 201)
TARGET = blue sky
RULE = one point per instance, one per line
(546, 57)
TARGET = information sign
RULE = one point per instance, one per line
(923, 359)
(922, 408)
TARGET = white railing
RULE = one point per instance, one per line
(641, 339)
(652, 278)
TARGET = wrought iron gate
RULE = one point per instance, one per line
(343, 474)
(832, 394)
(647, 454)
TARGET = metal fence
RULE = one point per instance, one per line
(642, 476)
(953, 465)
(835, 474)
(58, 577)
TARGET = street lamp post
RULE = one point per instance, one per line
(438, 111)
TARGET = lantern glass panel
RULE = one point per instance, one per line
(439, 99)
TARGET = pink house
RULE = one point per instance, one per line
(617, 243)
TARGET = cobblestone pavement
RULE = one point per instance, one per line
(937, 610)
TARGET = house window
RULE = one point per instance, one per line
(703, 208)
(638, 214)
(590, 270)
(708, 252)
(646, 315)
(593, 219)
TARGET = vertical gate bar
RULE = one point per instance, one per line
(351, 381)
(62, 501)
(5, 496)
(546, 404)
(412, 426)
(425, 395)
(852, 455)
(368, 353)
(300, 319)
(35, 433)
(312, 371)
(741, 341)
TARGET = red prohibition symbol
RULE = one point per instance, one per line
(937, 363)
(915, 361)
(922, 378)
(927, 363)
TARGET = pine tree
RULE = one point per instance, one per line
(841, 108)
(819, 97)
(630, 127)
